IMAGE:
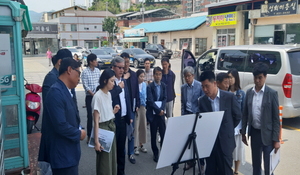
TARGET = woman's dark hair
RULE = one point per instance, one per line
(236, 76)
(166, 60)
(105, 76)
(139, 72)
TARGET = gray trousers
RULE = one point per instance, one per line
(169, 108)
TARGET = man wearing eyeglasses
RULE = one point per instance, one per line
(90, 80)
(120, 96)
(60, 141)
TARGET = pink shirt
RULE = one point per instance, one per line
(49, 54)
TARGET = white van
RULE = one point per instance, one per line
(283, 75)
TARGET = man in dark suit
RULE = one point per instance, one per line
(61, 131)
(261, 115)
(120, 96)
(133, 86)
(156, 105)
(220, 160)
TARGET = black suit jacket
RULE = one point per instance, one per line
(135, 92)
(115, 92)
(231, 118)
(152, 97)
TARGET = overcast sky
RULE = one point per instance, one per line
(49, 5)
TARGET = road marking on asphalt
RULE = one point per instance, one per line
(290, 127)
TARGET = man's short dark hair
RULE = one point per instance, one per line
(91, 57)
(260, 68)
(124, 55)
(221, 76)
(207, 75)
(62, 53)
(147, 59)
(66, 62)
(54, 60)
(157, 69)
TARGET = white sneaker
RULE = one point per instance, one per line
(136, 151)
(142, 149)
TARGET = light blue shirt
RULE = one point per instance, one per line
(189, 96)
(256, 107)
(157, 90)
(215, 103)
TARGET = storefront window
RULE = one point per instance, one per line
(200, 45)
(154, 40)
(225, 37)
(185, 40)
(292, 33)
(264, 34)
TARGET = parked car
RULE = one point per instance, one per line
(110, 50)
(118, 49)
(158, 51)
(103, 58)
(283, 74)
(74, 51)
(137, 57)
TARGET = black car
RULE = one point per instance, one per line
(137, 57)
(103, 58)
(158, 51)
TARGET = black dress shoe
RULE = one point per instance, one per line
(131, 159)
(155, 158)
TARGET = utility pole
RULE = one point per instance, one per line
(106, 3)
(143, 11)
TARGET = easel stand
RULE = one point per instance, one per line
(190, 141)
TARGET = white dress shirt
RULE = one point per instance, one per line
(122, 99)
(215, 103)
(256, 107)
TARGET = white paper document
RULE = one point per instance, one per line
(105, 137)
(158, 104)
(177, 133)
(274, 160)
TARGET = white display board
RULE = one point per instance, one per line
(177, 133)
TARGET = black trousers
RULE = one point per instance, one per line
(257, 150)
(88, 104)
(159, 124)
(66, 171)
(218, 163)
(121, 141)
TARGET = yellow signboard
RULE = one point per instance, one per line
(221, 19)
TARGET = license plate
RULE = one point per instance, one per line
(170, 52)
(151, 62)
(107, 62)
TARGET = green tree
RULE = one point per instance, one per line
(112, 6)
(110, 25)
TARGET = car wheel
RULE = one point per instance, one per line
(160, 56)
(135, 64)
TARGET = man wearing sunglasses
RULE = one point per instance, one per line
(120, 96)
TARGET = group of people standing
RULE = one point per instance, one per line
(124, 102)
(255, 111)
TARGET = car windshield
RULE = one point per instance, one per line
(138, 51)
(110, 50)
(161, 47)
(72, 50)
(99, 52)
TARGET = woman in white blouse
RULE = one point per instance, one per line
(103, 113)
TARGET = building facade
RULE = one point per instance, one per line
(245, 22)
(81, 28)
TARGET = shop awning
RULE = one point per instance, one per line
(139, 39)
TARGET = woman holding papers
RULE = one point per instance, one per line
(239, 151)
(103, 113)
